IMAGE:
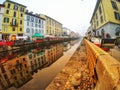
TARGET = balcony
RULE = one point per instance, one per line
(13, 24)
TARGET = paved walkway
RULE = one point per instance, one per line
(75, 75)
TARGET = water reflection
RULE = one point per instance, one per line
(19, 66)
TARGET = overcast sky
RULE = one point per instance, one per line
(73, 14)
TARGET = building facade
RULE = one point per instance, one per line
(66, 32)
(33, 24)
(106, 18)
(15, 72)
(36, 59)
(13, 20)
(1, 16)
(53, 53)
(53, 27)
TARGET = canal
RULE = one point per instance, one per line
(43, 77)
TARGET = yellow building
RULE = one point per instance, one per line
(53, 27)
(13, 20)
(3, 82)
(16, 71)
(53, 53)
(106, 18)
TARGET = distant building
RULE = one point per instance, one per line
(53, 27)
(106, 18)
(66, 32)
(33, 24)
(13, 20)
(1, 16)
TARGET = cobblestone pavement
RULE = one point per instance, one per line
(75, 75)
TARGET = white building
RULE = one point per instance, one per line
(1, 15)
(66, 32)
(33, 24)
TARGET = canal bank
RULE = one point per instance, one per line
(43, 77)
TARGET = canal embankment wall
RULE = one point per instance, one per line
(95, 68)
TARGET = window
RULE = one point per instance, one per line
(13, 29)
(32, 19)
(21, 74)
(3, 69)
(6, 20)
(14, 15)
(12, 71)
(30, 56)
(103, 33)
(21, 15)
(27, 23)
(100, 11)
(98, 33)
(36, 20)
(39, 21)
(8, 5)
(5, 29)
(13, 21)
(35, 25)
(114, 5)
(117, 15)
(28, 31)
(39, 31)
(101, 19)
(7, 11)
(26, 71)
(20, 29)
(32, 25)
(6, 77)
(22, 9)
(36, 31)
(20, 21)
(28, 18)
(32, 31)
(25, 66)
(15, 7)
(15, 78)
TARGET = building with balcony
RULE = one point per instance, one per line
(16, 71)
(106, 18)
(1, 16)
(33, 24)
(53, 27)
(13, 20)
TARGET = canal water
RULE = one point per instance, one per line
(43, 77)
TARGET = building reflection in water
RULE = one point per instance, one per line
(19, 70)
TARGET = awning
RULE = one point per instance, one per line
(2, 43)
(38, 35)
(50, 36)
